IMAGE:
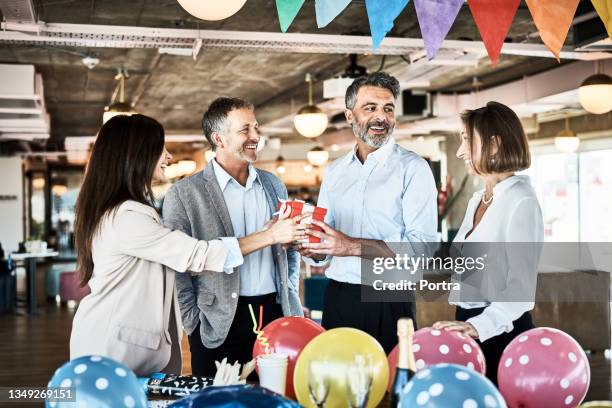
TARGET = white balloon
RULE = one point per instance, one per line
(212, 10)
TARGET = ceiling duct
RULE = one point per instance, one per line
(18, 11)
(23, 115)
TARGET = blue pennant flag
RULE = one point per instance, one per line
(327, 10)
(381, 15)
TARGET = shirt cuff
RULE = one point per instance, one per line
(234, 256)
(312, 262)
(486, 327)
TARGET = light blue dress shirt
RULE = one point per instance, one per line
(390, 197)
(249, 211)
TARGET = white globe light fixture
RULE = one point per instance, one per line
(595, 94)
(280, 165)
(187, 166)
(212, 10)
(566, 140)
(317, 156)
(310, 121)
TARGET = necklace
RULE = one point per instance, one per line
(485, 201)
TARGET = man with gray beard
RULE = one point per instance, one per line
(377, 194)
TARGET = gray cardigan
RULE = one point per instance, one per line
(196, 206)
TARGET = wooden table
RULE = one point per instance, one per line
(30, 259)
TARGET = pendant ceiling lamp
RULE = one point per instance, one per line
(118, 107)
(212, 10)
(280, 165)
(566, 140)
(310, 121)
(595, 94)
(317, 156)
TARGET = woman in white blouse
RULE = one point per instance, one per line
(494, 146)
(123, 249)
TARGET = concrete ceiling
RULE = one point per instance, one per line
(176, 90)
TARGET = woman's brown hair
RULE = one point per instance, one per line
(120, 168)
(497, 123)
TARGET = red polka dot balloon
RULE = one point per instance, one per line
(543, 367)
(432, 346)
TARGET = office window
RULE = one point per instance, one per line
(575, 192)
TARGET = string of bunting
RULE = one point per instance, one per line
(493, 19)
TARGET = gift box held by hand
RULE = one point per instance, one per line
(299, 207)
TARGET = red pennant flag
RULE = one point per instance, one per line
(493, 19)
(553, 19)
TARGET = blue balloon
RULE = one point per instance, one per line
(98, 382)
(235, 396)
(450, 385)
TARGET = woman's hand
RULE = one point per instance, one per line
(463, 327)
(285, 230)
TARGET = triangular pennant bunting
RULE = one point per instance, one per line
(381, 15)
(553, 19)
(435, 19)
(493, 19)
(287, 10)
(327, 10)
(604, 9)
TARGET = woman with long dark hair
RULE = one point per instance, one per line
(123, 249)
(505, 218)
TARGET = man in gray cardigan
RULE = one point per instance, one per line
(231, 198)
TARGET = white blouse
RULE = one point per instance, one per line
(513, 216)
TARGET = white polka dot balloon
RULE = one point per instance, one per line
(98, 382)
(441, 346)
(450, 385)
(543, 367)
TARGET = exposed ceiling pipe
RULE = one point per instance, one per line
(88, 35)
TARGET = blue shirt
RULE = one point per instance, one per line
(249, 211)
(390, 197)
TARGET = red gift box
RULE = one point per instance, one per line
(318, 213)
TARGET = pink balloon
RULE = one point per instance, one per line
(432, 346)
(543, 367)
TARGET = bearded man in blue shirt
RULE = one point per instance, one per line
(391, 199)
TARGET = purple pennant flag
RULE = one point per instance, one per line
(327, 10)
(382, 14)
(435, 19)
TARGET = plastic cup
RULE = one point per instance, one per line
(273, 372)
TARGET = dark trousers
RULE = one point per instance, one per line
(495, 346)
(343, 307)
(238, 345)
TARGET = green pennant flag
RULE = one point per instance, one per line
(287, 10)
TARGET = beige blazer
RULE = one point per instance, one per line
(126, 317)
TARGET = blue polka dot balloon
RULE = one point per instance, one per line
(98, 382)
(450, 385)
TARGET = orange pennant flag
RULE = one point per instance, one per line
(493, 19)
(553, 19)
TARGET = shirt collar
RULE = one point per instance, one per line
(380, 155)
(223, 177)
(506, 183)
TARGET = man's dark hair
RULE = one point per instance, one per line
(215, 118)
(378, 79)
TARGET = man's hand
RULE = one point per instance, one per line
(462, 327)
(333, 242)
